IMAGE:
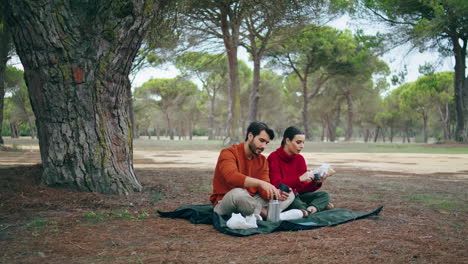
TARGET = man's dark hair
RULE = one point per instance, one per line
(257, 127)
(290, 133)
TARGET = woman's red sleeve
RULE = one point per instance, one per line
(309, 187)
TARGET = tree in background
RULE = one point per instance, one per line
(355, 67)
(326, 110)
(77, 56)
(18, 108)
(6, 48)
(161, 40)
(438, 89)
(144, 109)
(366, 108)
(419, 102)
(211, 71)
(170, 95)
(190, 113)
(292, 101)
(272, 108)
(390, 115)
(428, 94)
(222, 20)
(259, 25)
(320, 54)
(429, 24)
(305, 51)
(18, 112)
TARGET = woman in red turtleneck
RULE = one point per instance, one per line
(287, 166)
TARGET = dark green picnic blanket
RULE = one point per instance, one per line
(203, 214)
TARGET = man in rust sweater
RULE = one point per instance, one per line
(241, 182)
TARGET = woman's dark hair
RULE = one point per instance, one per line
(290, 133)
(257, 127)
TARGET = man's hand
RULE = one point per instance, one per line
(271, 190)
(268, 187)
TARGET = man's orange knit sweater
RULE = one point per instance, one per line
(232, 168)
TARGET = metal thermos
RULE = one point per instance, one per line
(274, 210)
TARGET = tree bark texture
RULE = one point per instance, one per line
(230, 26)
(2, 91)
(32, 127)
(77, 55)
(461, 89)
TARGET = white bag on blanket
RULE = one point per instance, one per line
(237, 221)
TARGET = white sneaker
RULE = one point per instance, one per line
(291, 214)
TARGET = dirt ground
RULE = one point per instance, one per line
(423, 221)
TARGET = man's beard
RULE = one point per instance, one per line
(253, 149)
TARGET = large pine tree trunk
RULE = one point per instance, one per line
(233, 125)
(32, 127)
(461, 90)
(230, 25)
(2, 91)
(77, 55)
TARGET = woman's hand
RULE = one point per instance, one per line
(306, 177)
(323, 177)
(284, 195)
